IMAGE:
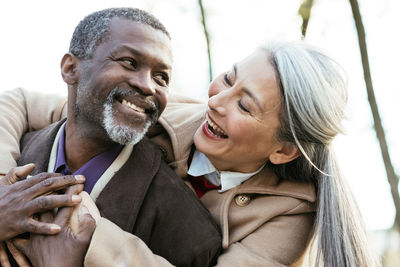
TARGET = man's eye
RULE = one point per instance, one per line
(161, 79)
(226, 79)
(130, 62)
(242, 107)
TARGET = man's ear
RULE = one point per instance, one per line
(286, 153)
(69, 69)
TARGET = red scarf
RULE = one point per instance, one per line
(200, 183)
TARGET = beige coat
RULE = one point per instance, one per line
(263, 222)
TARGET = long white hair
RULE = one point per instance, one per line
(314, 97)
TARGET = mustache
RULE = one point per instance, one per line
(118, 92)
(151, 107)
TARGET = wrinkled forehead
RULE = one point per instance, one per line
(258, 70)
(151, 42)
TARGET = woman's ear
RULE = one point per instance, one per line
(286, 153)
(69, 69)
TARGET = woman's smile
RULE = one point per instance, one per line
(212, 130)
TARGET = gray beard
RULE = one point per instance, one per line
(122, 134)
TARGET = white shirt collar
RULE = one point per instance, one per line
(201, 165)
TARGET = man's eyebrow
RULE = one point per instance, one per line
(132, 50)
(129, 48)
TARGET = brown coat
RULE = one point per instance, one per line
(264, 222)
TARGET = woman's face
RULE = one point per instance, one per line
(242, 116)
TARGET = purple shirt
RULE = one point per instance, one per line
(93, 169)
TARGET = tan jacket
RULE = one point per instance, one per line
(263, 222)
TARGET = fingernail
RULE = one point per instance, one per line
(76, 199)
(80, 178)
(55, 227)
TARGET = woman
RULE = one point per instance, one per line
(264, 150)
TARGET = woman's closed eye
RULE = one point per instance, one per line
(226, 79)
(230, 76)
(243, 107)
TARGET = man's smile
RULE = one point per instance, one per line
(132, 103)
(133, 106)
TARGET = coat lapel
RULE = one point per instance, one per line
(121, 198)
(36, 147)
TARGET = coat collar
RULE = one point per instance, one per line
(36, 147)
(274, 186)
(264, 183)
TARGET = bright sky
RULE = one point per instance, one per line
(36, 34)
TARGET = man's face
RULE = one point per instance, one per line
(123, 88)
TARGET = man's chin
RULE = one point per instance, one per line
(125, 135)
(122, 133)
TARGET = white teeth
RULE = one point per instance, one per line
(132, 106)
(214, 126)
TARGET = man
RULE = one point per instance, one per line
(117, 71)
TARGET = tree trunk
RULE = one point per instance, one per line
(380, 133)
(203, 22)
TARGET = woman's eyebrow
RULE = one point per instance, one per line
(235, 69)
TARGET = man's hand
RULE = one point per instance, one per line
(19, 258)
(21, 200)
(67, 248)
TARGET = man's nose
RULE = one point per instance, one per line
(143, 82)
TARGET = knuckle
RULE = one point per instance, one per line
(47, 182)
(31, 226)
(41, 203)
(69, 178)
(12, 170)
(37, 178)
(10, 176)
(42, 175)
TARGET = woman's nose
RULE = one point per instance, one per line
(218, 104)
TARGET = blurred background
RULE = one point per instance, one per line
(36, 34)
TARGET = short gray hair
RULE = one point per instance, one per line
(94, 29)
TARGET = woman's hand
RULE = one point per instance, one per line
(21, 200)
(67, 248)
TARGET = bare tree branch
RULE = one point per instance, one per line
(305, 13)
(203, 22)
(380, 133)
